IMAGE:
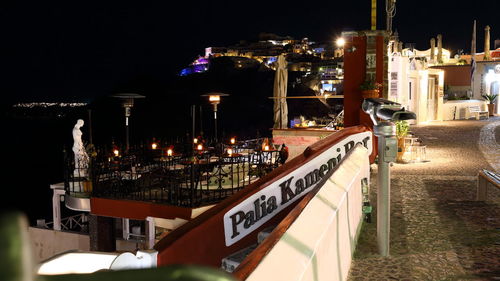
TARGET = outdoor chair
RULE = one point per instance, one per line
(476, 110)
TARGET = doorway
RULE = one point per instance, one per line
(432, 99)
(411, 95)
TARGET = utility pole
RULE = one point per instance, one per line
(374, 14)
(390, 10)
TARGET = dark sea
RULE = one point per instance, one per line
(32, 150)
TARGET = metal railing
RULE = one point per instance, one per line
(182, 180)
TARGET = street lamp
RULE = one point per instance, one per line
(127, 103)
(340, 42)
(214, 99)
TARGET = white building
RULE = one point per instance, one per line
(487, 81)
(415, 86)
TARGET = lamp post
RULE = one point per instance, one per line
(340, 43)
(214, 99)
(127, 103)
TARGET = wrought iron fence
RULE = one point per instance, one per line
(187, 180)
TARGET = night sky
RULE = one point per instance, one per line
(76, 50)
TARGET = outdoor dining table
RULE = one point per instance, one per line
(234, 158)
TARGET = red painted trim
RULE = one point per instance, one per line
(354, 75)
(380, 71)
(136, 209)
(455, 75)
(201, 240)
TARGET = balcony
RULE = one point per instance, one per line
(190, 179)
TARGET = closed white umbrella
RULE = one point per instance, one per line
(279, 92)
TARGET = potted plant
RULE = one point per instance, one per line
(370, 89)
(402, 129)
(491, 102)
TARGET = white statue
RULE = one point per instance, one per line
(81, 157)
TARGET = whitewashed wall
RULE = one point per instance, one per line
(47, 242)
(461, 107)
(320, 243)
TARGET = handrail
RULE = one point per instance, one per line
(202, 239)
(249, 264)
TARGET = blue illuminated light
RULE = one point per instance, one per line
(327, 87)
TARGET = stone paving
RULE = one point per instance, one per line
(438, 230)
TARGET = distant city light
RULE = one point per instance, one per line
(154, 145)
(340, 42)
(169, 152)
(327, 87)
(200, 147)
(50, 104)
(116, 152)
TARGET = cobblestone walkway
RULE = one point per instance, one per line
(438, 230)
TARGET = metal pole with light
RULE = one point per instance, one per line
(390, 11)
(128, 103)
(374, 15)
(214, 99)
(340, 42)
(385, 130)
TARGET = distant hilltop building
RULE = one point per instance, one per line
(198, 66)
(302, 55)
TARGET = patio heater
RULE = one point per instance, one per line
(214, 99)
(127, 103)
(385, 129)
